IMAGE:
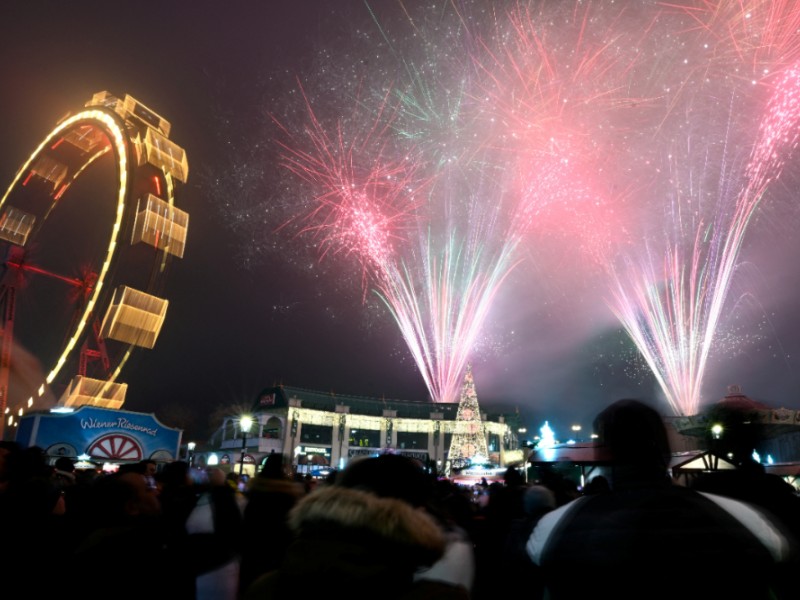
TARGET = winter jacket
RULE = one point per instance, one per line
(645, 542)
(347, 539)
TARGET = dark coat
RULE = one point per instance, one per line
(663, 542)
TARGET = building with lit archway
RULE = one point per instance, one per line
(317, 430)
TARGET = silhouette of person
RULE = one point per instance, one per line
(625, 542)
(270, 497)
(750, 481)
(127, 529)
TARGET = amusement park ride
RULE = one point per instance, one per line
(88, 228)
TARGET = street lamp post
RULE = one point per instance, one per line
(190, 451)
(716, 446)
(244, 424)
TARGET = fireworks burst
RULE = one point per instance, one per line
(448, 142)
(438, 258)
(672, 311)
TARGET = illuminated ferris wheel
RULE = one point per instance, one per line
(88, 228)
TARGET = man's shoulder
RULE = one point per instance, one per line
(544, 529)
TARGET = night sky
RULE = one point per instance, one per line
(253, 304)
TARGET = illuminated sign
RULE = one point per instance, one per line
(121, 423)
(423, 456)
(363, 452)
(106, 434)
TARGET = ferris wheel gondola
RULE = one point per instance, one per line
(88, 228)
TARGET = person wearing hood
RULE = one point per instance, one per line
(362, 533)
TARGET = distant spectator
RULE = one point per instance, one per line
(127, 536)
(64, 473)
(270, 497)
(33, 521)
(504, 506)
(149, 468)
(213, 543)
(9, 459)
(750, 481)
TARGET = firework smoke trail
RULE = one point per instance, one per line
(674, 324)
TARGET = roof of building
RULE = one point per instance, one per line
(579, 453)
(410, 409)
(774, 421)
(735, 399)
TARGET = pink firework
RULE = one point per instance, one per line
(438, 234)
(364, 200)
(671, 306)
(758, 35)
(553, 69)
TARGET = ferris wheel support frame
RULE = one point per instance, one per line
(137, 137)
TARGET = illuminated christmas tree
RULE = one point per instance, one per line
(548, 439)
(468, 440)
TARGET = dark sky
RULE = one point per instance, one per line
(250, 307)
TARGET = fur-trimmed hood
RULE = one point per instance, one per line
(392, 524)
(348, 539)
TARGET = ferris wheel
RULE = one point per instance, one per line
(88, 228)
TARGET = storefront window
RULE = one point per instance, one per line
(365, 438)
(316, 434)
(408, 440)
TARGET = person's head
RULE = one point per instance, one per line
(538, 499)
(33, 462)
(122, 496)
(9, 459)
(37, 498)
(273, 467)
(635, 438)
(142, 502)
(367, 540)
(65, 464)
(597, 485)
(513, 477)
(176, 474)
(216, 476)
(389, 476)
(149, 467)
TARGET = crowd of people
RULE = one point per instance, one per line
(384, 527)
